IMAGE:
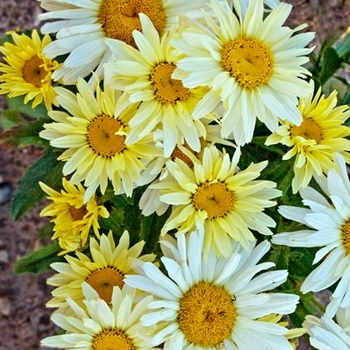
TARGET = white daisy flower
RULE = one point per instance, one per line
(253, 66)
(145, 75)
(328, 227)
(101, 326)
(205, 304)
(326, 334)
(82, 27)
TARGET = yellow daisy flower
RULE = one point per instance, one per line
(100, 327)
(73, 218)
(106, 268)
(228, 202)
(95, 138)
(82, 28)
(252, 65)
(27, 70)
(314, 142)
(146, 75)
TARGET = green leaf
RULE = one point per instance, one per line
(150, 230)
(331, 62)
(46, 230)
(40, 260)
(17, 104)
(8, 119)
(28, 194)
(25, 134)
(343, 46)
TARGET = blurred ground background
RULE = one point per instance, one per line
(24, 320)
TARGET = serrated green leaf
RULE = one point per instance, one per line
(39, 261)
(28, 194)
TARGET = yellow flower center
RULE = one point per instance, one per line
(33, 71)
(112, 339)
(166, 89)
(102, 136)
(77, 213)
(103, 280)
(120, 17)
(309, 129)
(346, 236)
(207, 315)
(177, 153)
(215, 198)
(248, 61)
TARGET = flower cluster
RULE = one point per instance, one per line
(192, 159)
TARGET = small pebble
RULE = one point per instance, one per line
(5, 192)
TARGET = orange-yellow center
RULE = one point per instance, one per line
(102, 136)
(207, 315)
(103, 280)
(112, 339)
(215, 198)
(77, 213)
(120, 17)
(33, 71)
(346, 236)
(248, 61)
(166, 89)
(309, 129)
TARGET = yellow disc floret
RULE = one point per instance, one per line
(102, 136)
(248, 61)
(214, 198)
(103, 280)
(207, 314)
(112, 339)
(119, 18)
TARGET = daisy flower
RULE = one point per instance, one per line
(212, 303)
(145, 75)
(82, 28)
(253, 66)
(94, 137)
(327, 221)
(27, 70)
(326, 334)
(101, 326)
(156, 169)
(73, 218)
(107, 267)
(314, 142)
(214, 193)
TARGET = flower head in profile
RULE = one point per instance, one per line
(314, 142)
(27, 70)
(208, 303)
(327, 221)
(328, 334)
(107, 267)
(94, 137)
(101, 326)
(215, 194)
(73, 218)
(145, 74)
(252, 65)
(82, 28)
